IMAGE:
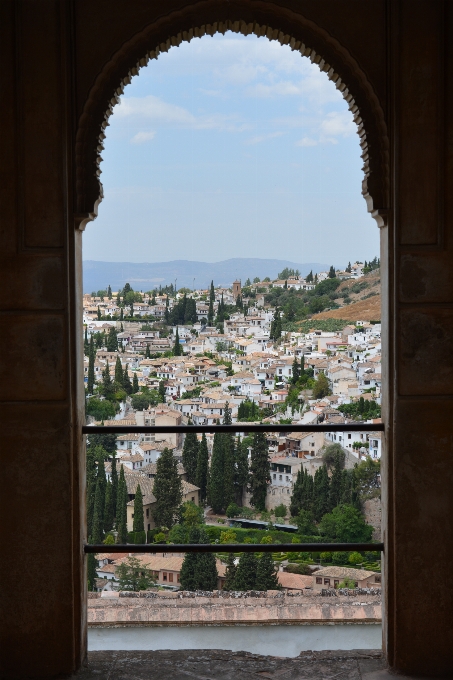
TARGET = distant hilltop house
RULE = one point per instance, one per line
(331, 577)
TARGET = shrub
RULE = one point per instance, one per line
(355, 558)
(281, 510)
(326, 556)
(303, 569)
(340, 558)
(347, 583)
(266, 540)
(228, 536)
(233, 510)
(159, 537)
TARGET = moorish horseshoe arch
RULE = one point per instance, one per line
(244, 16)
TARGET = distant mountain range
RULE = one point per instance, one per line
(148, 275)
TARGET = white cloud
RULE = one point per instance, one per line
(262, 138)
(142, 137)
(306, 141)
(153, 110)
(338, 124)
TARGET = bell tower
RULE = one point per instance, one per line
(236, 289)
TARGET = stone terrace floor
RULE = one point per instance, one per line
(224, 665)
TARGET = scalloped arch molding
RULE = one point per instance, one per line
(196, 21)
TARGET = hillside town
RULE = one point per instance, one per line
(252, 353)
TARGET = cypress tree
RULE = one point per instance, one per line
(259, 471)
(91, 359)
(241, 470)
(177, 349)
(335, 490)
(298, 493)
(109, 292)
(118, 372)
(206, 572)
(332, 273)
(99, 314)
(190, 456)
(162, 392)
(307, 503)
(266, 577)
(114, 482)
(108, 388)
(230, 573)
(203, 468)
(211, 305)
(167, 490)
(91, 569)
(228, 460)
(112, 340)
(98, 516)
(167, 311)
(91, 488)
(245, 578)
(139, 522)
(296, 371)
(147, 352)
(188, 574)
(121, 313)
(86, 344)
(127, 385)
(121, 508)
(321, 488)
(109, 514)
(135, 386)
(216, 498)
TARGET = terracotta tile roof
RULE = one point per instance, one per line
(294, 581)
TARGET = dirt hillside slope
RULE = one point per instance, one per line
(364, 310)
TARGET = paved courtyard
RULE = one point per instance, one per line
(224, 665)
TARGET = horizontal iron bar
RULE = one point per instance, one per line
(237, 427)
(233, 547)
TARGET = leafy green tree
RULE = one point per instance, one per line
(230, 573)
(135, 385)
(162, 392)
(109, 513)
(167, 489)
(100, 410)
(306, 523)
(190, 456)
(133, 575)
(233, 510)
(91, 360)
(245, 578)
(202, 468)
(321, 387)
(266, 577)
(367, 478)
(191, 514)
(334, 455)
(321, 493)
(345, 524)
(139, 523)
(259, 471)
(121, 508)
(118, 372)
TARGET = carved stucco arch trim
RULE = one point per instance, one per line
(256, 17)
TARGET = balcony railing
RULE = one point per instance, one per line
(232, 547)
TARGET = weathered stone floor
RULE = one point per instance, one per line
(224, 665)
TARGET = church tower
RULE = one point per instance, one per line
(236, 289)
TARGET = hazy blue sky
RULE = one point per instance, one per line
(231, 146)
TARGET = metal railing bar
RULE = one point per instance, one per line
(233, 547)
(237, 427)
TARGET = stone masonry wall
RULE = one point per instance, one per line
(214, 609)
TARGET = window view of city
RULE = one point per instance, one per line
(232, 277)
